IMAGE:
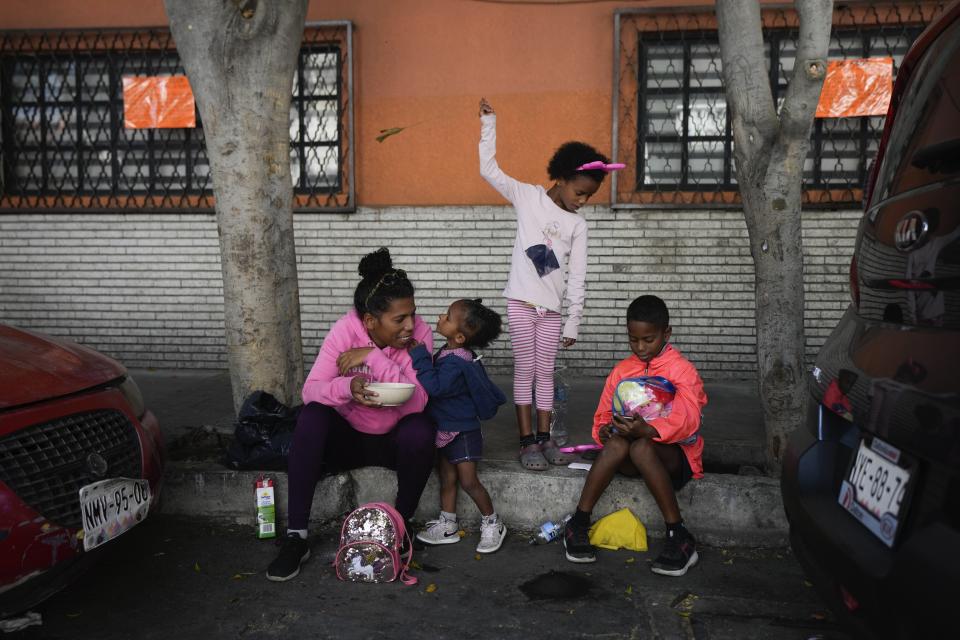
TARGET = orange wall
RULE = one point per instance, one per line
(424, 64)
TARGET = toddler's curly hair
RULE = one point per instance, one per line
(570, 155)
(483, 323)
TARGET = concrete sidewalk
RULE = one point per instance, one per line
(733, 504)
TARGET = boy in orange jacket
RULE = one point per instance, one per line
(666, 452)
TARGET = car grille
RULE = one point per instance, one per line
(45, 464)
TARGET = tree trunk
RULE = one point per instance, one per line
(770, 149)
(240, 57)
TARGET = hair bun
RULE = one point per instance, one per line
(375, 264)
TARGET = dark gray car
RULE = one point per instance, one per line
(871, 485)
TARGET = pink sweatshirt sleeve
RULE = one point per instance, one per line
(324, 384)
(489, 169)
(688, 403)
(576, 281)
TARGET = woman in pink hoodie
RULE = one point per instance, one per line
(342, 425)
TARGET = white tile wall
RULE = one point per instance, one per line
(145, 288)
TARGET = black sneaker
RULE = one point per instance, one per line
(294, 551)
(576, 543)
(679, 554)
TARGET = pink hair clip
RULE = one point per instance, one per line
(599, 165)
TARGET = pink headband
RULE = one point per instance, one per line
(598, 165)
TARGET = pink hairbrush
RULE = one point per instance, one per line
(580, 448)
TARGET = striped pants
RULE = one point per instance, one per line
(535, 338)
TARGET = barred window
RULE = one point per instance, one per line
(64, 144)
(673, 129)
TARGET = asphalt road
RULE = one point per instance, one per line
(173, 579)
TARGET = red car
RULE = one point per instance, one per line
(81, 461)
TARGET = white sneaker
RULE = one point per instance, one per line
(440, 531)
(492, 533)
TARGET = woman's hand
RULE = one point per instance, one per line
(366, 397)
(352, 358)
(485, 108)
(568, 342)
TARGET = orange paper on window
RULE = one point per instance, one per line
(855, 88)
(151, 102)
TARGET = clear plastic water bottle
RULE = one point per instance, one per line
(550, 531)
(561, 392)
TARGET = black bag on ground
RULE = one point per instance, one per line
(262, 434)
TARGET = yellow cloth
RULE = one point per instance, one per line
(619, 530)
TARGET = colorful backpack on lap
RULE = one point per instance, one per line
(646, 396)
(370, 543)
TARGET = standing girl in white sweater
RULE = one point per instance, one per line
(548, 268)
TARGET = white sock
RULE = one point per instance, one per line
(300, 532)
(446, 515)
(490, 519)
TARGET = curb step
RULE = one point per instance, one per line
(721, 509)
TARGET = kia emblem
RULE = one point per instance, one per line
(97, 464)
(911, 231)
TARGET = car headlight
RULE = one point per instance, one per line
(131, 392)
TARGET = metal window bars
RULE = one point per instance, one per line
(65, 148)
(670, 123)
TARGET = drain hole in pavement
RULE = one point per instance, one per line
(556, 585)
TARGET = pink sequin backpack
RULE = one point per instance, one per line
(370, 543)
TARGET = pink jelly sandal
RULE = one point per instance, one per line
(532, 458)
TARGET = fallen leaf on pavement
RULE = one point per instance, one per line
(431, 588)
(684, 603)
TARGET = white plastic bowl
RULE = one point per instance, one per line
(391, 394)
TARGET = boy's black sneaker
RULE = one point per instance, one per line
(679, 554)
(576, 543)
(294, 551)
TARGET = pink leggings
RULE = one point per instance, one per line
(535, 337)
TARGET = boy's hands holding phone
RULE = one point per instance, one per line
(605, 432)
(633, 427)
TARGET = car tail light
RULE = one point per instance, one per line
(849, 601)
(854, 283)
(911, 284)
